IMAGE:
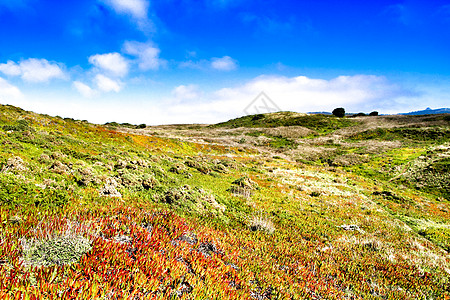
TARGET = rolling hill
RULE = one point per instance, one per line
(272, 206)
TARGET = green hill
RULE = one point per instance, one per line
(319, 123)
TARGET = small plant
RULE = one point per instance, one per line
(315, 194)
(57, 250)
(261, 222)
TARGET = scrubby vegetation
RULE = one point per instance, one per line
(319, 123)
(274, 206)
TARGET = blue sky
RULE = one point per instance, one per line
(185, 61)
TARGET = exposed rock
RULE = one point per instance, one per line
(109, 189)
(14, 164)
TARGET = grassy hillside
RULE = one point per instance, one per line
(255, 208)
(318, 123)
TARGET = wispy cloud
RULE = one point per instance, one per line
(106, 84)
(225, 63)
(113, 63)
(136, 9)
(8, 91)
(147, 55)
(186, 92)
(34, 70)
(85, 90)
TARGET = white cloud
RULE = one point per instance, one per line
(301, 94)
(8, 91)
(85, 90)
(225, 63)
(34, 70)
(10, 68)
(107, 84)
(147, 55)
(113, 63)
(186, 92)
(136, 8)
(197, 104)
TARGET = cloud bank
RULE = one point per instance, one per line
(302, 94)
(191, 103)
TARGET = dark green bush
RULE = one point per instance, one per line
(20, 125)
(339, 112)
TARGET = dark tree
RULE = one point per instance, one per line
(373, 114)
(141, 126)
(339, 112)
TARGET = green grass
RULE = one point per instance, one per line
(434, 134)
(320, 123)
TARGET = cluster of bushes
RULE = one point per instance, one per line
(20, 125)
(17, 192)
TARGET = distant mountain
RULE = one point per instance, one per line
(428, 111)
(319, 113)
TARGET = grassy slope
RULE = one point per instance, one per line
(184, 227)
(319, 123)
